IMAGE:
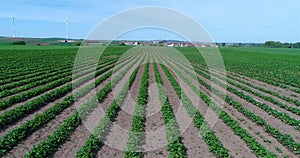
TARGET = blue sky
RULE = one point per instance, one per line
(225, 20)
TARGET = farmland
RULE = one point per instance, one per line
(48, 109)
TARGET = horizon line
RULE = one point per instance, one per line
(63, 38)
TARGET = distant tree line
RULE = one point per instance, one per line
(19, 43)
(277, 44)
(268, 44)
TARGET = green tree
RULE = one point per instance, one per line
(19, 43)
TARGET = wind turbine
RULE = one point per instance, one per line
(67, 29)
(13, 26)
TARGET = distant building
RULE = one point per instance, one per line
(67, 41)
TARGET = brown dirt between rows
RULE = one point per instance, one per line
(42, 133)
(80, 135)
(49, 67)
(18, 81)
(155, 138)
(22, 148)
(122, 121)
(41, 110)
(258, 132)
(279, 90)
(282, 91)
(269, 95)
(49, 105)
(32, 98)
(266, 87)
(191, 137)
(270, 119)
(276, 107)
(235, 145)
(11, 95)
(254, 130)
(83, 131)
(266, 94)
(277, 123)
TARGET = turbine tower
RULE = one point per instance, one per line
(67, 29)
(13, 26)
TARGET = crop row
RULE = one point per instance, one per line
(31, 93)
(22, 80)
(283, 97)
(257, 148)
(40, 90)
(15, 114)
(231, 76)
(49, 146)
(135, 135)
(46, 79)
(22, 61)
(277, 79)
(28, 94)
(8, 141)
(10, 74)
(267, 98)
(13, 77)
(281, 115)
(10, 83)
(60, 135)
(21, 111)
(175, 145)
(284, 139)
(276, 82)
(209, 137)
(94, 141)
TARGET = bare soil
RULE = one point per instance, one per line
(83, 131)
(257, 131)
(232, 142)
(116, 139)
(281, 126)
(155, 134)
(41, 110)
(40, 135)
(191, 138)
(277, 123)
(274, 106)
(283, 91)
